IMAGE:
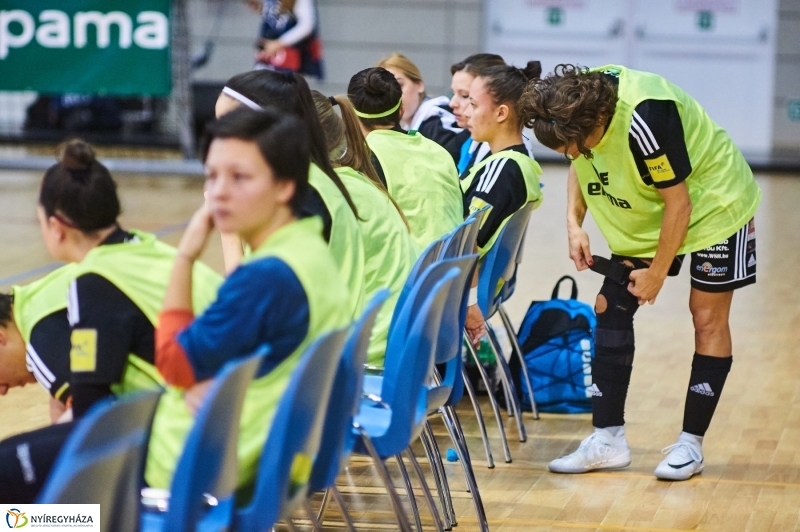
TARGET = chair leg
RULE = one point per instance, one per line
(437, 520)
(505, 374)
(383, 471)
(516, 349)
(479, 416)
(437, 479)
(312, 516)
(472, 483)
(323, 506)
(495, 407)
(351, 527)
(411, 498)
(438, 464)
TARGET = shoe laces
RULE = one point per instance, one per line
(594, 447)
(690, 450)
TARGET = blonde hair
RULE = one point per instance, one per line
(398, 61)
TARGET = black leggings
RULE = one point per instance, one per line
(27, 460)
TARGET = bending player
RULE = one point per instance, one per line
(662, 180)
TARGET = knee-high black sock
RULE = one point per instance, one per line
(705, 387)
(611, 375)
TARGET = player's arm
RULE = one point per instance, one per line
(579, 250)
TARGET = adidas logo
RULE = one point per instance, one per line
(703, 389)
(752, 261)
(595, 391)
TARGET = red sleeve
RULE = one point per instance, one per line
(171, 359)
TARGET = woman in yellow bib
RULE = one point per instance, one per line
(418, 173)
(390, 249)
(662, 180)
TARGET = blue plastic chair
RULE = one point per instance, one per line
(387, 425)
(455, 243)
(102, 462)
(208, 464)
(337, 440)
(293, 441)
(498, 266)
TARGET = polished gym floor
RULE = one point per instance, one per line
(752, 451)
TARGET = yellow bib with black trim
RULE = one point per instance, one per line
(39, 299)
(422, 179)
(628, 212)
(301, 246)
(530, 173)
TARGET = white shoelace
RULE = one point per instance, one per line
(691, 450)
(600, 450)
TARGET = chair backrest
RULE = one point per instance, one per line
(471, 240)
(102, 462)
(426, 258)
(454, 244)
(412, 357)
(345, 398)
(209, 463)
(294, 436)
(500, 263)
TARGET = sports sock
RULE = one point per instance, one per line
(609, 391)
(705, 386)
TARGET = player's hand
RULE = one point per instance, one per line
(475, 324)
(194, 396)
(3, 389)
(195, 237)
(579, 250)
(645, 284)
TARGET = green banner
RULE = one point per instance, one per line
(112, 47)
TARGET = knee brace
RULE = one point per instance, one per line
(614, 340)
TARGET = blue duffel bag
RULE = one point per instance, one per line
(556, 338)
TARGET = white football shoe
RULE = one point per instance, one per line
(684, 459)
(601, 450)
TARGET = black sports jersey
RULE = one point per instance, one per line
(313, 205)
(442, 129)
(656, 131)
(501, 185)
(47, 354)
(122, 329)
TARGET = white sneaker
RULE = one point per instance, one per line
(600, 450)
(684, 459)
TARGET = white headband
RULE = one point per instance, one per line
(242, 99)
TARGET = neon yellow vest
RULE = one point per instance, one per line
(723, 192)
(530, 173)
(422, 179)
(141, 270)
(302, 248)
(390, 252)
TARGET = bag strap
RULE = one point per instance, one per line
(558, 285)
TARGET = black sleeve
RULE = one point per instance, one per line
(48, 354)
(379, 169)
(435, 129)
(106, 327)
(502, 188)
(658, 144)
(313, 205)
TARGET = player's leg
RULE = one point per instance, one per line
(716, 272)
(607, 447)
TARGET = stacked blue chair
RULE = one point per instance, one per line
(102, 462)
(202, 491)
(386, 425)
(286, 462)
(337, 440)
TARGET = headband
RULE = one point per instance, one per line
(242, 99)
(380, 115)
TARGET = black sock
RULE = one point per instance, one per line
(705, 387)
(611, 376)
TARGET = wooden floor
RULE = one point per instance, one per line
(752, 475)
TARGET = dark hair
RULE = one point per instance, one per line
(507, 83)
(79, 190)
(6, 309)
(346, 142)
(477, 62)
(289, 92)
(564, 108)
(281, 138)
(374, 91)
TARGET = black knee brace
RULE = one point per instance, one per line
(614, 340)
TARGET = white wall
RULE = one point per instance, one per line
(786, 133)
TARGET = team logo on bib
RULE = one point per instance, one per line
(598, 189)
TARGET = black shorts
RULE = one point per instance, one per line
(729, 265)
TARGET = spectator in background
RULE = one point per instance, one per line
(289, 36)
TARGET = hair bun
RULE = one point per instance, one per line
(533, 70)
(376, 82)
(76, 155)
